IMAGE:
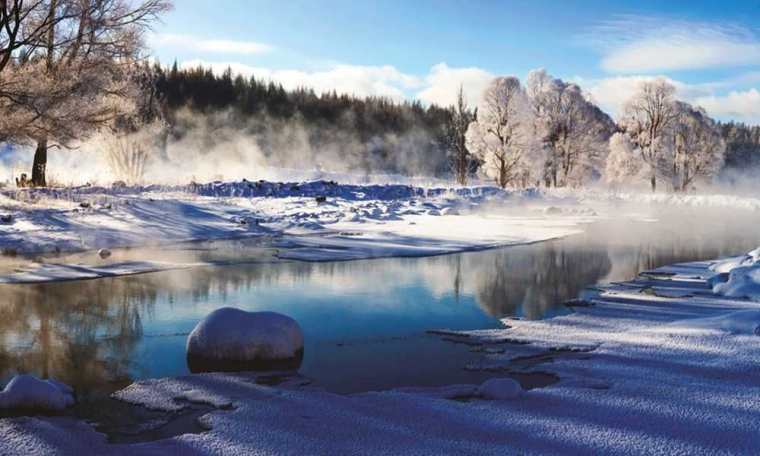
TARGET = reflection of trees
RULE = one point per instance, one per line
(82, 333)
(86, 333)
(535, 278)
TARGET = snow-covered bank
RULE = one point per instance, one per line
(313, 221)
(656, 365)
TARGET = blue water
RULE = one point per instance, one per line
(364, 322)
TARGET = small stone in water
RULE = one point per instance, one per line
(104, 253)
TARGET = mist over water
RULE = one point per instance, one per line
(223, 146)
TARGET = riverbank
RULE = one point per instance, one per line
(658, 364)
(311, 221)
(307, 221)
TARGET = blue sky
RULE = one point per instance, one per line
(424, 49)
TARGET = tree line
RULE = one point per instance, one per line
(74, 69)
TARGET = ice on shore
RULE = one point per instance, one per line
(26, 392)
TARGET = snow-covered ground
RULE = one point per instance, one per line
(657, 365)
(313, 221)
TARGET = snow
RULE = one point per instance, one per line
(310, 221)
(656, 365)
(54, 272)
(26, 392)
(229, 338)
(347, 221)
(745, 322)
(500, 389)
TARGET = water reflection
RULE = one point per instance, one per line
(364, 321)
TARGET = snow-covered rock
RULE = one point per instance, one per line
(728, 264)
(500, 389)
(29, 392)
(104, 253)
(230, 339)
(743, 282)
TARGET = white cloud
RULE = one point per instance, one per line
(209, 45)
(740, 105)
(633, 44)
(439, 86)
(442, 84)
(358, 80)
(610, 94)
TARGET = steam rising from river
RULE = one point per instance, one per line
(222, 146)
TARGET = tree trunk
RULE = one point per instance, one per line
(40, 163)
(653, 181)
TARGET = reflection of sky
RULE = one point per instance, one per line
(377, 336)
(364, 321)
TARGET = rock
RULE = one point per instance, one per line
(233, 340)
(578, 303)
(321, 199)
(500, 389)
(6, 218)
(27, 392)
(552, 210)
(84, 205)
(104, 253)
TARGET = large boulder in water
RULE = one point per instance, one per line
(27, 392)
(233, 340)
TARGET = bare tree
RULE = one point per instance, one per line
(22, 23)
(497, 135)
(77, 76)
(462, 162)
(647, 118)
(572, 130)
(698, 147)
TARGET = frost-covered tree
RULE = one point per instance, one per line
(461, 160)
(623, 164)
(22, 23)
(647, 119)
(64, 84)
(499, 135)
(572, 131)
(697, 149)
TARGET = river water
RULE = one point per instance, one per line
(365, 322)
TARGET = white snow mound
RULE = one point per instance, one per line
(29, 392)
(500, 389)
(229, 335)
(743, 282)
